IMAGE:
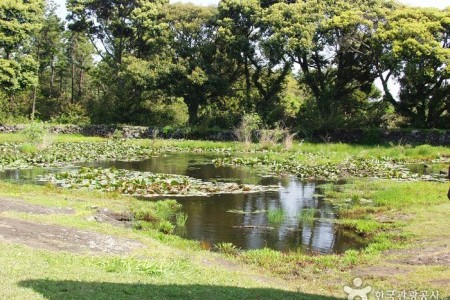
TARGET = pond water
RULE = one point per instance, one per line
(242, 219)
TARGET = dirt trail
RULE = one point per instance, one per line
(60, 238)
(12, 204)
(55, 237)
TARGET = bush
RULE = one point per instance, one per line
(227, 248)
(157, 215)
(36, 133)
(72, 114)
(166, 227)
(249, 124)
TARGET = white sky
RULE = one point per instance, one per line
(430, 3)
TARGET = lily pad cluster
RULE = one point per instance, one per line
(145, 184)
(327, 171)
(12, 157)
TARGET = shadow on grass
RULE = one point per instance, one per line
(52, 290)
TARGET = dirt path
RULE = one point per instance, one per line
(55, 237)
(60, 238)
(12, 204)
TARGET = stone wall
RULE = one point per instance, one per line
(359, 136)
(383, 136)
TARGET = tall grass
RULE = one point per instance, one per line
(307, 215)
(275, 216)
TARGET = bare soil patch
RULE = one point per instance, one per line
(382, 272)
(427, 255)
(104, 215)
(60, 238)
(12, 204)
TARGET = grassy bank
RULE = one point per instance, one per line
(404, 223)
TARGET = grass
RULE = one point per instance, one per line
(330, 152)
(399, 216)
(166, 260)
(275, 216)
(390, 215)
(56, 138)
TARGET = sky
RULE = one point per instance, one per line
(426, 3)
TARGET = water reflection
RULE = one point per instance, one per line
(209, 219)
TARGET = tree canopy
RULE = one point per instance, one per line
(309, 65)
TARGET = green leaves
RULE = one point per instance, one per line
(144, 184)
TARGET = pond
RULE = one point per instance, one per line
(272, 219)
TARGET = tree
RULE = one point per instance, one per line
(331, 43)
(200, 71)
(414, 50)
(121, 31)
(19, 19)
(247, 28)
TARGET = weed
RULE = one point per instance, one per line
(166, 227)
(131, 266)
(226, 248)
(306, 216)
(276, 216)
(181, 219)
(28, 148)
(117, 135)
(205, 245)
(249, 124)
(36, 133)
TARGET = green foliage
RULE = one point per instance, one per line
(35, 133)
(28, 148)
(117, 135)
(19, 20)
(181, 219)
(276, 216)
(413, 49)
(166, 227)
(226, 248)
(130, 266)
(72, 114)
(162, 64)
(247, 128)
(156, 215)
(307, 215)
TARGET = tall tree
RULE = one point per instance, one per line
(331, 43)
(19, 19)
(121, 31)
(247, 28)
(414, 50)
(200, 71)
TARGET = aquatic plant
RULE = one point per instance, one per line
(307, 215)
(318, 170)
(276, 216)
(181, 219)
(226, 248)
(58, 154)
(144, 184)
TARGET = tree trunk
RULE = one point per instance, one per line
(52, 77)
(193, 107)
(80, 83)
(72, 98)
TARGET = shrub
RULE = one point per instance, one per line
(166, 227)
(249, 124)
(72, 114)
(117, 135)
(36, 134)
(227, 248)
